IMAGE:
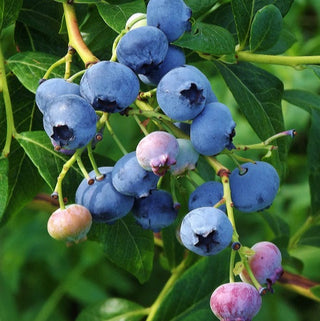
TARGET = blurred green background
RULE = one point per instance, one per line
(42, 279)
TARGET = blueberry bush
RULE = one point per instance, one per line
(160, 160)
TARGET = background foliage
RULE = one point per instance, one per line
(120, 271)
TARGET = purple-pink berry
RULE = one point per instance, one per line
(265, 264)
(157, 151)
(237, 301)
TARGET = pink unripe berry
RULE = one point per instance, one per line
(157, 152)
(70, 224)
(236, 301)
(265, 263)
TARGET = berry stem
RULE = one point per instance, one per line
(82, 168)
(115, 137)
(53, 66)
(176, 273)
(64, 171)
(75, 38)
(293, 61)
(93, 162)
(76, 75)
(143, 128)
(68, 63)
(231, 265)
(11, 131)
(253, 279)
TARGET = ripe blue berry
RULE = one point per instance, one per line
(129, 178)
(70, 121)
(212, 130)
(157, 152)
(109, 86)
(235, 301)
(254, 187)
(104, 202)
(155, 211)
(52, 88)
(206, 231)
(182, 93)
(171, 16)
(265, 264)
(186, 159)
(142, 49)
(70, 224)
(207, 194)
(175, 58)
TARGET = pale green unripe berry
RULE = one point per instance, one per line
(136, 20)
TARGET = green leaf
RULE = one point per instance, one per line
(310, 102)
(285, 41)
(258, 94)
(199, 7)
(24, 181)
(113, 309)
(315, 68)
(311, 237)
(4, 185)
(8, 309)
(242, 11)
(189, 297)
(282, 5)
(9, 11)
(49, 163)
(116, 13)
(208, 39)
(30, 67)
(315, 290)
(266, 28)
(127, 245)
(277, 224)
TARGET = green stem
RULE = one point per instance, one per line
(53, 66)
(143, 128)
(250, 273)
(63, 173)
(11, 131)
(93, 162)
(293, 61)
(310, 221)
(176, 273)
(82, 168)
(76, 75)
(115, 137)
(231, 265)
(115, 44)
(75, 38)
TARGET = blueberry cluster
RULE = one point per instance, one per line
(145, 54)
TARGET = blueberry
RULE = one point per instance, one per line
(70, 224)
(212, 130)
(265, 264)
(171, 16)
(104, 202)
(181, 93)
(155, 211)
(206, 231)
(186, 159)
(109, 86)
(175, 58)
(207, 194)
(129, 178)
(235, 301)
(142, 49)
(70, 121)
(157, 152)
(211, 97)
(52, 88)
(254, 187)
